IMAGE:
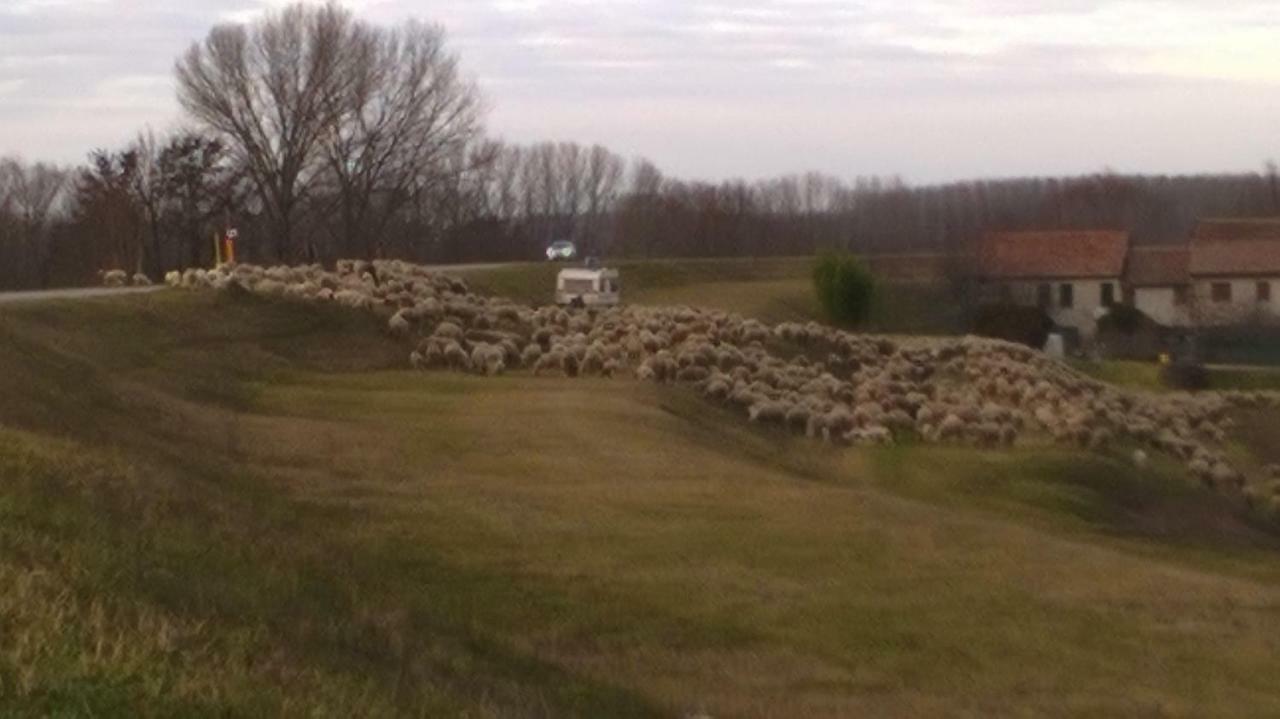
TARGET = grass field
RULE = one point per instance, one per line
(771, 289)
(219, 506)
(1146, 376)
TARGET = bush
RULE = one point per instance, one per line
(1014, 323)
(1126, 320)
(845, 289)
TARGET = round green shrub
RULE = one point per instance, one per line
(846, 290)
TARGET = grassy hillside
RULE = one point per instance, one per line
(771, 289)
(215, 505)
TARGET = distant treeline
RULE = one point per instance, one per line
(378, 149)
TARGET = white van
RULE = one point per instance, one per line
(588, 287)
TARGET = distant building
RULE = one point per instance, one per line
(1072, 275)
(1158, 283)
(1234, 268)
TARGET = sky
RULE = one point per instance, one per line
(928, 90)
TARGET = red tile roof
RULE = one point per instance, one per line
(1247, 257)
(1159, 266)
(1069, 253)
(1230, 230)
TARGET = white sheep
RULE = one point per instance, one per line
(399, 324)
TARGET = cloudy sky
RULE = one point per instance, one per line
(928, 89)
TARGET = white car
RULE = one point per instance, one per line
(588, 287)
(562, 250)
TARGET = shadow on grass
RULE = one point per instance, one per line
(1101, 494)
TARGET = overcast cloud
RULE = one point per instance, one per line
(930, 90)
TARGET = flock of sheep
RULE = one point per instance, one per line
(829, 384)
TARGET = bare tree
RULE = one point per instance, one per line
(108, 214)
(603, 183)
(202, 189)
(271, 90)
(148, 188)
(1273, 182)
(30, 196)
(405, 116)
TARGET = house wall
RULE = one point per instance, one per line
(1082, 315)
(1160, 304)
(1244, 305)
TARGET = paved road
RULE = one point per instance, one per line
(77, 293)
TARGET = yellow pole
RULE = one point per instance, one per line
(217, 250)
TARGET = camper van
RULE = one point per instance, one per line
(588, 287)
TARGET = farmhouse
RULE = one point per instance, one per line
(1072, 275)
(1234, 267)
(1158, 283)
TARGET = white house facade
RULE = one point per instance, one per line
(1235, 272)
(1158, 283)
(1073, 275)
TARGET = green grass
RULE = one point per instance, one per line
(772, 289)
(226, 507)
(1125, 373)
(1146, 375)
(1246, 378)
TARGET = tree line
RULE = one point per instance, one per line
(318, 135)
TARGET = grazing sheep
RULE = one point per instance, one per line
(768, 412)
(448, 330)
(692, 374)
(869, 436)
(114, 278)
(1224, 477)
(968, 390)
(454, 356)
(530, 356)
(488, 359)
(399, 324)
(717, 388)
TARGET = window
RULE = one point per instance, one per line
(1108, 294)
(1006, 293)
(1180, 295)
(578, 286)
(1044, 296)
(1264, 291)
(1131, 296)
(1220, 291)
(1066, 295)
